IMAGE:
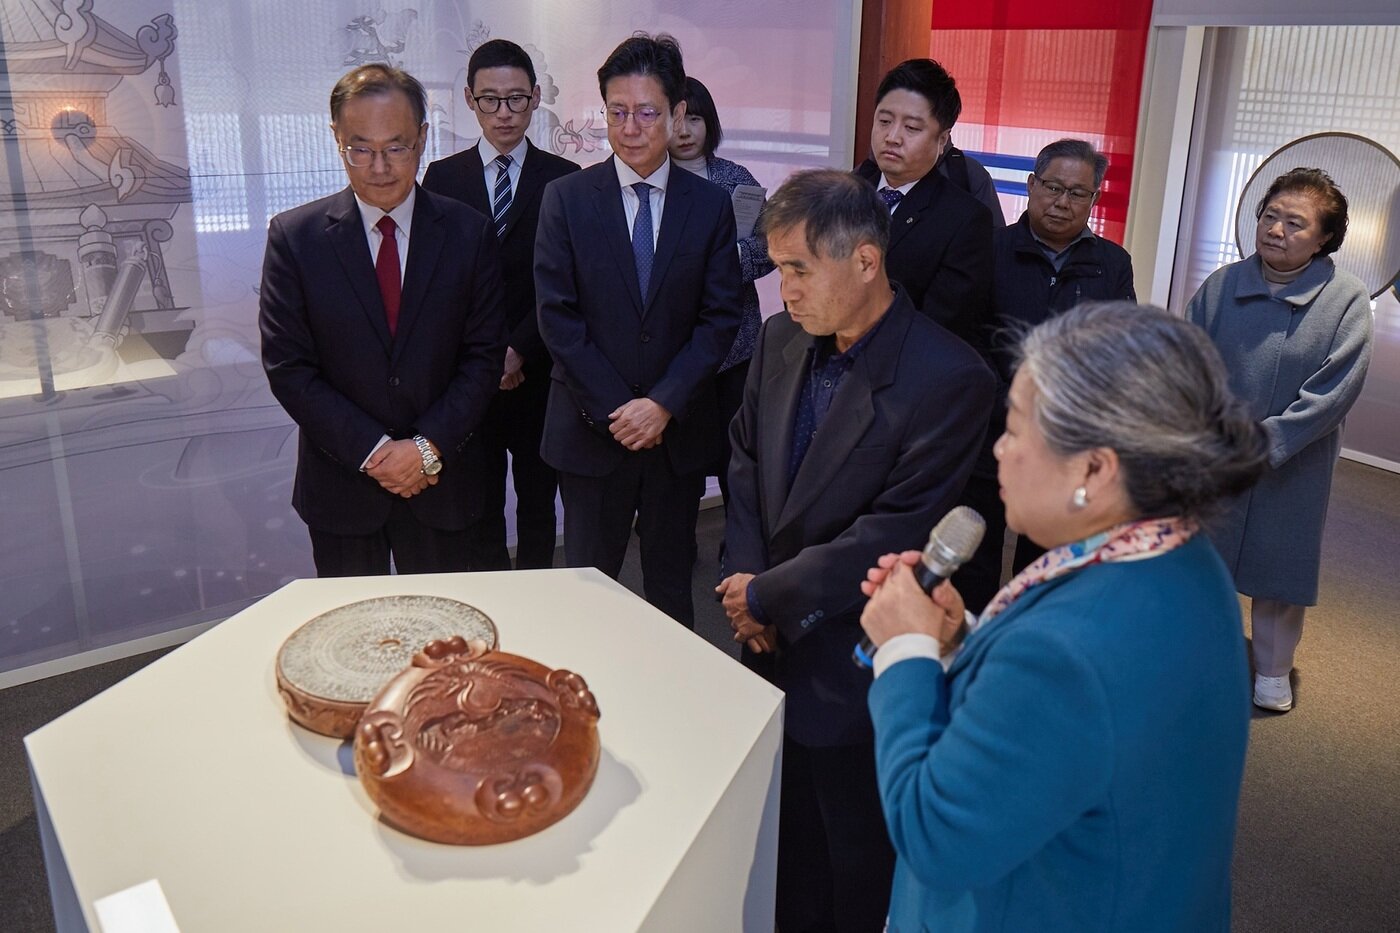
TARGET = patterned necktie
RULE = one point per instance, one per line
(500, 197)
(891, 197)
(386, 269)
(643, 246)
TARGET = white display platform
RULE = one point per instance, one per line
(190, 773)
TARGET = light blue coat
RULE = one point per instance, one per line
(1298, 361)
(1078, 769)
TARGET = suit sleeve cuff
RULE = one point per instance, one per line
(904, 648)
(384, 439)
(755, 609)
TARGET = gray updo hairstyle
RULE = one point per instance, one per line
(1153, 388)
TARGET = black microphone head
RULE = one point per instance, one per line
(954, 540)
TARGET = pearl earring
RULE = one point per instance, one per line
(1080, 498)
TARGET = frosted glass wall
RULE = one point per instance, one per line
(145, 470)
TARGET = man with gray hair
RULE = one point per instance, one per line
(382, 337)
(1044, 264)
(844, 448)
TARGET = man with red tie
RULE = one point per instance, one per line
(382, 337)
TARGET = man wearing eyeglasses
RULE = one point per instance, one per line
(504, 176)
(1046, 263)
(638, 292)
(382, 337)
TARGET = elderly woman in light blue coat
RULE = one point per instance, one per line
(1074, 765)
(1295, 333)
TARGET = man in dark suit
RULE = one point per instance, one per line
(638, 290)
(940, 249)
(503, 177)
(940, 235)
(860, 422)
(381, 336)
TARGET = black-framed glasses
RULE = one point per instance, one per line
(645, 116)
(363, 156)
(490, 103)
(1054, 191)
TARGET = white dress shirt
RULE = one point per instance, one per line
(403, 219)
(490, 170)
(658, 181)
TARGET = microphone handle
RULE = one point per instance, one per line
(927, 578)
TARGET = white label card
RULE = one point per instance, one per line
(141, 908)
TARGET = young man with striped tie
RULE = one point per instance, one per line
(503, 176)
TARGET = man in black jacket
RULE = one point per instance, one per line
(845, 445)
(1045, 263)
(940, 245)
(504, 177)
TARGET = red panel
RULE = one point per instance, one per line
(1037, 14)
(1072, 68)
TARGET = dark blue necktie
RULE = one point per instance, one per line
(500, 198)
(891, 197)
(643, 246)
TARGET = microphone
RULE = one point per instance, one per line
(951, 544)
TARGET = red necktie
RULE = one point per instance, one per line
(386, 269)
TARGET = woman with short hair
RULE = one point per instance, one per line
(1295, 333)
(1075, 763)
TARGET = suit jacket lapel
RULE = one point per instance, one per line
(911, 210)
(425, 243)
(673, 218)
(851, 414)
(525, 188)
(347, 235)
(476, 194)
(781, 390)
(607, 205)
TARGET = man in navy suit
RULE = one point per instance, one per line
(381, 336)
(860, 422)
(637, 282)
(504, 176)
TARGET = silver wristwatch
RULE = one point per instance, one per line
(432, 466)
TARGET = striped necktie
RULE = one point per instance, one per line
(500, 197)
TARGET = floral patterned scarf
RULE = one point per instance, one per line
(1137, 540)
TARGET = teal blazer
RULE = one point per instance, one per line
(1078, 768)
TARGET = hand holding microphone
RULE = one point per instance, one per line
(951, 543)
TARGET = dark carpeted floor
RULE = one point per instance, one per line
(1318, 846)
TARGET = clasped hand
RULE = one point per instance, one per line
(638, 424)
(398, 467)
(513, 374)
(898, 605)
(734, 591)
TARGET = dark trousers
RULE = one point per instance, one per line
(414, 547)
(598, 517)
(514, 424)
(835, 861)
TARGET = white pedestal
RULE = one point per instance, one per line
(191, 773)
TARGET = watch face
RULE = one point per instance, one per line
(433, 469)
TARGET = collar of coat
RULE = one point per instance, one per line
(1298, 293)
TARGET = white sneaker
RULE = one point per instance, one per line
(1273, 693)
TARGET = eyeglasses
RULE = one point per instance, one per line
(490, 103)
(363, 157)
(1054, 191)
(646, 116)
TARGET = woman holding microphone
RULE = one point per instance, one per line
(1075, 763)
